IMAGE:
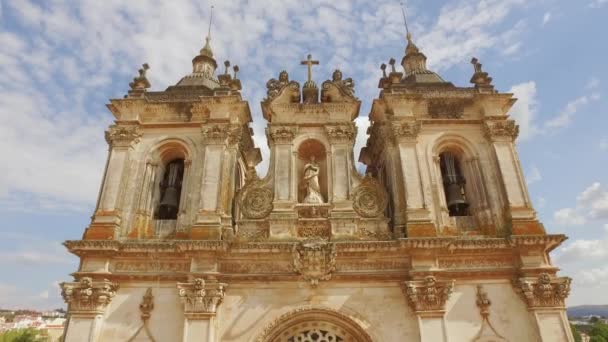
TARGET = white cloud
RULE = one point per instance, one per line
(593, 83)
(534, 175)
(597, 3)
(604, 144)
(591, 204)
(525, 109)
(568, 216)
(546, 18)
(564, 118)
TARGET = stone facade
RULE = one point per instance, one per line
(189, 243)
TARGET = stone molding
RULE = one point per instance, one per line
(447, 108)
(495, 130)
(545, 291)
(314, 260)
(201, 298)
(88, 297)
(487, 332)
(428, 296)
(123, 135)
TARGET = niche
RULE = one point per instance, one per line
(312, 172)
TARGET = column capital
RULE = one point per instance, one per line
(201, 298)
(341, 133)
(88, 297)
(406, 130)
(123, 135)
(428, 296)
(543, 292)
(504, 130)
(281, 134)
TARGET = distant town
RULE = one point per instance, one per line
(29, 325)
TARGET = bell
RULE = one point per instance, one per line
(456, 201)
(169, 204)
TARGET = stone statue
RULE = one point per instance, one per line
(311, 178)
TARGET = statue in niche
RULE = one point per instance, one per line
(311, 180)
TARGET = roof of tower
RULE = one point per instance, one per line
(414, 64)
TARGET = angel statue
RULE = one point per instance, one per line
(311, 178)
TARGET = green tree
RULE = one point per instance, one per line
(597, 339)
(20, 335)
(576, 334)
(600, 329)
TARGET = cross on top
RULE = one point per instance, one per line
(309, 63)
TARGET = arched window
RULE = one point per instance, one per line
(170, 190)
(454, 184)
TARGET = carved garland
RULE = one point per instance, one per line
(369, 198)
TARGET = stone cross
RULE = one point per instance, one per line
(309, 63)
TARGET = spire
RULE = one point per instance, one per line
(414, 61)
(204, 64)
(206, 50)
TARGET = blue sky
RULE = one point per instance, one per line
(61, 61)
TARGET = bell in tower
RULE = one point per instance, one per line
(453, 183)
(171, 187)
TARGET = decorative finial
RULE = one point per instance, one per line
(140, 83)
(392, 63)
(309, 63)
(236, 70)
(383, 68)
(227, 65)
(481, 79)
(408, 35)
(476, 65)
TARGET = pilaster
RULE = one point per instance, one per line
(427, 298)
(107, 219)
(201, 300)
(87, 302)
(545, 297)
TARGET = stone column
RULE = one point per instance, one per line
(341, 138)
(427, 299)
(87, 301)
(545, 297)
(502, 134)
(201, 300)
(183, 218)
(106, 220)
(143, 216)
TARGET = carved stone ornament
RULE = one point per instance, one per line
(220, 134)
(146, 307)
(406, 130)
(544, 291)
(255, 199)
(502, 129)
(369, 198)
(281, 134)
(341, 133)
(338, 90)
(275, 87)
(446, 108)
(201, 298)
(314, 260)
(123, 135)
(88, 296)
(428, 294)
(486, 333)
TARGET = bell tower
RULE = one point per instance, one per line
(447, 154)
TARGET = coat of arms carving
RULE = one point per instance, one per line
(314, 260)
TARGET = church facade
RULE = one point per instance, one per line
(438, 241)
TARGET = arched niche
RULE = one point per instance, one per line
(310, 152)
(315, 325)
